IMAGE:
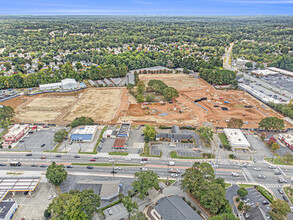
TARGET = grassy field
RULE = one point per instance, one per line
(107, 164)
(164, 181)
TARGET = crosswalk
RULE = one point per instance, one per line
(274, 185)
(247, 175)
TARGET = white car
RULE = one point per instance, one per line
(257, 169)
(127, 158)
(143, 162)
(144, 169)
(174, 175)
(109, 210)
(51, 197)
(235, 174)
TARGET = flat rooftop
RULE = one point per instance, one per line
(236, 138)
(14, 184)
(124, 128)
(85, 130)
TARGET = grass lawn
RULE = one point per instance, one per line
(227, 185)
(164, 181)
(279, 161)
(246, 185)
(146, 151)
(265, 193)
(289, 192)
(118, 153)
(107, 164)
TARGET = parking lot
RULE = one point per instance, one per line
(182, 149)
(33, 207)
(280, 81)
(34, 141)
(256, 198)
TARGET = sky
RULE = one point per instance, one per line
(146, 7)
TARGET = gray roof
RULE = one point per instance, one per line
(175, 129)
(174, 136)
(174, 208)
(5, 206)
(255, 213)
(130, 78)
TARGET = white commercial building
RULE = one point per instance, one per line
(264, 72)
(7, 209)
(15, 133)
(66, 84)
(285, 72)
(236, 138)
(84, 134)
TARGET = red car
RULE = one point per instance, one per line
(92, 160)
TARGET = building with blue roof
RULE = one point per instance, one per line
(83, 134)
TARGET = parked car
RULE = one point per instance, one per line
(31, 132)
(2, 164)
(21, 141)
(265, 202)
(109, 210)
(285, 198)
(28, 155)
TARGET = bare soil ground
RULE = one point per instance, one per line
(178, 81)
(98, 103)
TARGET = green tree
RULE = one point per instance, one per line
(240, 206)
(47, 214)
(67, 206)
(139, 98)
(149, 133)
(249, 65)
(56, 174)
(242, 192)
(130, 206)
(235, 123)
(225, 216)
(60, 135)
(78, 65)
(138, 216)
(272, 123)
(275, 146)
(145, 180)
(89, 201)
(279, 209)
(150, 98)
(6, 116)
(170, 93)
(82, 121)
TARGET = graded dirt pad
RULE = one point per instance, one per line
(177, 113)
(44, 108)
(98, 103)
(236, 108)
(178, 81)
(13, 103)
